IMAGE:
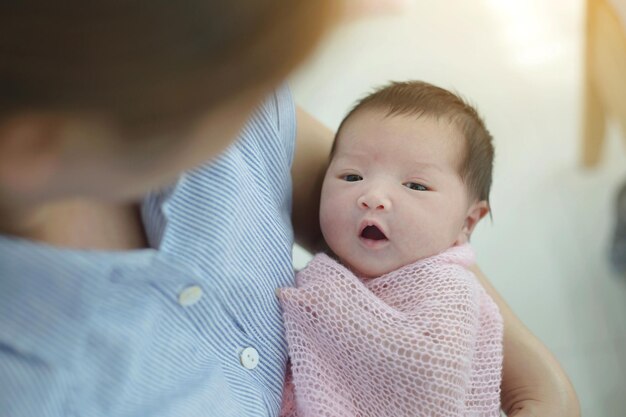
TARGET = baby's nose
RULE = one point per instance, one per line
(373, 201)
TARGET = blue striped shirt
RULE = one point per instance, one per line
(91, 333)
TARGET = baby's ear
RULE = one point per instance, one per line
(29, 150)
(475, 212)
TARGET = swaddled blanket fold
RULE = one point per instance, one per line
(424, 340)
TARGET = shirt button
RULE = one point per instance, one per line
(190, 295)
(249, 358)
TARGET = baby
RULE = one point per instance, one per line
(397, 325)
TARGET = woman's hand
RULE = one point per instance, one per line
(533, 382)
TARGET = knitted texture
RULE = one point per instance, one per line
(425, 340)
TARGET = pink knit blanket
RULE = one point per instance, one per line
(425, 340)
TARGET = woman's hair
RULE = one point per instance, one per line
(141, 61)
(417, 98)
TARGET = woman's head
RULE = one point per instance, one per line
(149, 61)
(159, 85)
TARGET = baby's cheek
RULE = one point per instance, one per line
(328, 222)
(332, 224)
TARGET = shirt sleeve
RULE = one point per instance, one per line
(280, 109)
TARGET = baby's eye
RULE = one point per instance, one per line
(415, 186)
(352, 177)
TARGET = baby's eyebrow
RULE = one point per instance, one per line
(347, 158)
(427, 166)
(344, 158)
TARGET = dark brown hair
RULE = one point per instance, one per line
(142, 61)
(417, 98)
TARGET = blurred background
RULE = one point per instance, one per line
(559, 163)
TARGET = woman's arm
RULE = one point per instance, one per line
(313, 143)
(533, 383)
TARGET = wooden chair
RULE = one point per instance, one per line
(605, 74)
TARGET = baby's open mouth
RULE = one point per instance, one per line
(373, 233)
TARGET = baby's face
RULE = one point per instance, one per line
(392, 194)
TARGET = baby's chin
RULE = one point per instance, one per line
(375, 268)
(367, 272)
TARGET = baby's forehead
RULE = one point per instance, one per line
(418, 142)
(384, 116)
(386, 125)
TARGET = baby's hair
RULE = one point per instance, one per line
(418, 98)
(149, 61)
